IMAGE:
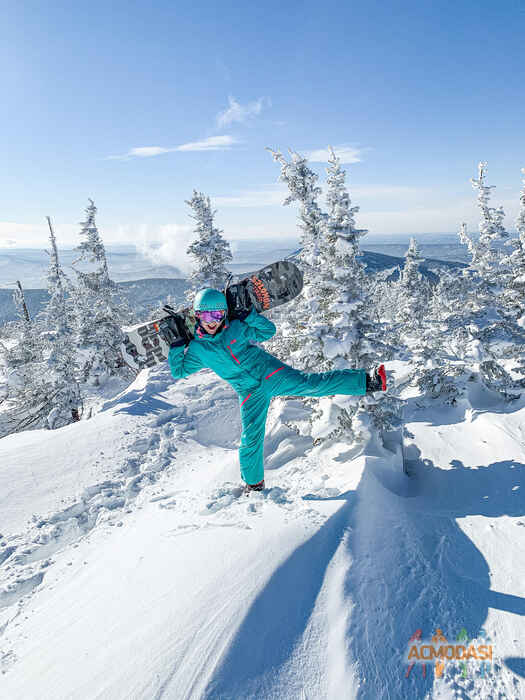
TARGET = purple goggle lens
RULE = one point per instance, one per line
(210, 316)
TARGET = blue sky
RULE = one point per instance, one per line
(135, 105)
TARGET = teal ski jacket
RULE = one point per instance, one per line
(231, 353)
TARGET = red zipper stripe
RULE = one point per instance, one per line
(275, 370)
(246, 399)
(229, 348)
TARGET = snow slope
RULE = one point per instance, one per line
(131, 566)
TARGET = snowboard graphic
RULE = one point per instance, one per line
(271, 286)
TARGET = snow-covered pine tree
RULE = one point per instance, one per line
(99, 312)
(487, 252)
(414, 292)
(474, 329)
(210, 251)
(342, 282)
(299, 328)
(28, 385)
(498, 335)
(514, 294)
(43, 390)
(61, 361)
(327, 326)
(57, 313)
(302, 185)
(349, 336)
(25, 339)
(452, 285)
(410, 275)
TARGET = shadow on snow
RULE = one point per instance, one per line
(415, 568)
(412, 568)
(277, 618)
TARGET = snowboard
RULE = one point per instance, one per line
(271, 286)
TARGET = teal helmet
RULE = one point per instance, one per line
(210, 300)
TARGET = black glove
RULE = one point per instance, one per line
(174, 331)
(239, 301)
(377, 380)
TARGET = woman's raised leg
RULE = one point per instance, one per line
(287, 381)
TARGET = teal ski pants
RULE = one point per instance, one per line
(285, 381)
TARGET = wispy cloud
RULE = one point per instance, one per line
(345, 153)
(213, 143)
(238, 113)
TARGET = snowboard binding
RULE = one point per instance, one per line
(241, 297)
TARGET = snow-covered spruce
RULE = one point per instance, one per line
(404, 301)
(328, 326)
(514, 292)
(210, 251)
(27, 382)
(297, 338)
(473, 333)
(61, 359)
(99, 311)
(487, 252)
(302, 185)
(43, 390)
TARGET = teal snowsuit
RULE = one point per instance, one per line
(256, 376)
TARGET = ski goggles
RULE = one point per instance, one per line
(210, 316)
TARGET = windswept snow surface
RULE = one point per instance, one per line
(131, 567)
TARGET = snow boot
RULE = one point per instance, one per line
(248, 488)
(377, 380)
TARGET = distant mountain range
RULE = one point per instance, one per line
(144, 295)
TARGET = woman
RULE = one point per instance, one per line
(226, 347)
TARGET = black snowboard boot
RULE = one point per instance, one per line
(248, 488)
(376, 381)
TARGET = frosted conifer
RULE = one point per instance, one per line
(474, 328)
(302, 186)
(61, 360)
(328, 326)
(28, 385)
(98, 310)
(487, 254)
(57, 312)
(343, 286)
(210, 251)
(413, 291)
(515, 291)
(302, 313)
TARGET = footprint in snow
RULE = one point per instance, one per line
(7, 659)
(229, 494)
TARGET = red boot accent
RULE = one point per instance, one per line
(248, 488)
(382, 373)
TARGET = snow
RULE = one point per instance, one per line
(338, 346)
(132, 567)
